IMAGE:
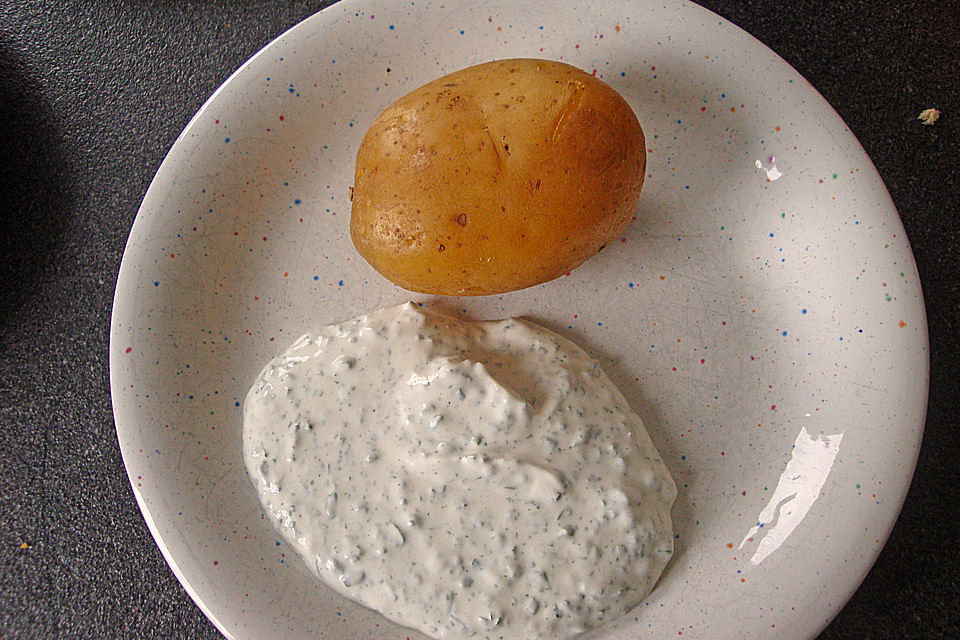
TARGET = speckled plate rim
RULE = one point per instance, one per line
(165, 171)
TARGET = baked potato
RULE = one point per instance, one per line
(497, 177)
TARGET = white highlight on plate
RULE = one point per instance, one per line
(798, 488)
(772, 173)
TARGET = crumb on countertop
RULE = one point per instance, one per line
(928, 116)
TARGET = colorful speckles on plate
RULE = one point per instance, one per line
(762, 312)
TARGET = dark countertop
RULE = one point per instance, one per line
(93, 94)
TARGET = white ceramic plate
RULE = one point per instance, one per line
(762, 314)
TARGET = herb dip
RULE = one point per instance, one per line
(468, 479)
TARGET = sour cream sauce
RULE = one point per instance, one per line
(471, 480)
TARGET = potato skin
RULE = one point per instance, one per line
(497, 177)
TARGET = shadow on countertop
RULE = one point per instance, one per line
(33, 186)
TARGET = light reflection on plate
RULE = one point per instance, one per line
(798, 488)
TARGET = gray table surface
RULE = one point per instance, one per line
(92, 95)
